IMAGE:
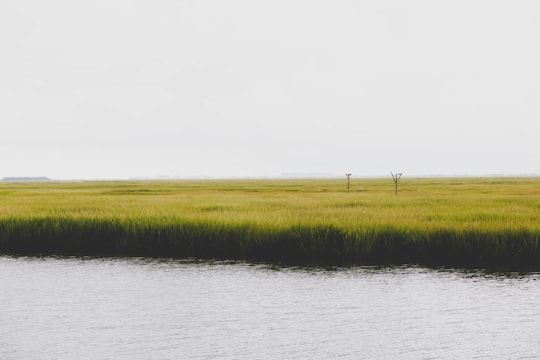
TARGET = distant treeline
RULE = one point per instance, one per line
(26, 179)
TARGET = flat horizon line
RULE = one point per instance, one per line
(299, 176)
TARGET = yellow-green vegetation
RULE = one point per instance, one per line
(462, 222)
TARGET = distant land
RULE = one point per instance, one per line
(321, 175)
(26, 179)
(357, 175)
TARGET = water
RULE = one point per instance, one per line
(72, 308)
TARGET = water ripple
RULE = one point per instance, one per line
(65, 308)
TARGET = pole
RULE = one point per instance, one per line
(348, 183)
(396, 178)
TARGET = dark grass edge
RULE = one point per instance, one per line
(302, 245)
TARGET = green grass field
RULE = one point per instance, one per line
(479, 222)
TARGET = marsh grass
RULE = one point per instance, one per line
(452, 222)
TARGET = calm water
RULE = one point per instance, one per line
(147, 309)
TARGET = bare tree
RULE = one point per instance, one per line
(348, 180)
(396, 178)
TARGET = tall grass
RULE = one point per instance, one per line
(456, 222)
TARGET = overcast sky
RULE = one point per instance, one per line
(124, 88)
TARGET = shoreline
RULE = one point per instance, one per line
(295, 246)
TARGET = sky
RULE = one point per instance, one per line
(115, 89)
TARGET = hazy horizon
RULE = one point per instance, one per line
(123, 89)
(300, 176)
